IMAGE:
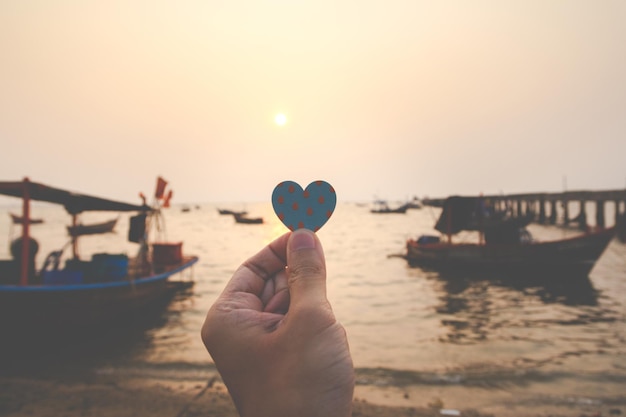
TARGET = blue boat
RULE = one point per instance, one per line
(81, 295)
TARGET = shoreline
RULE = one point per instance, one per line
(24, 396)
(105, 395)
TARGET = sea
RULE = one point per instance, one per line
(418, 337)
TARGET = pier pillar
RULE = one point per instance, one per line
(498, 206)
(582, 217)
(542, 211)
(552, 212)
(600, 213)
(620, 223)
(519, 208)
(566, 218)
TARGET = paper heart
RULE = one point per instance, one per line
(309, 208)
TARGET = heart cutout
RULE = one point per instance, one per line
(304, 209)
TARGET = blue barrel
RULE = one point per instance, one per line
(109, 267)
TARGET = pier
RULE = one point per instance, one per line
(563, 208)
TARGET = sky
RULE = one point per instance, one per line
(383, 99)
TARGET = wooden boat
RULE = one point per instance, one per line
(241, 218)
(381, 207)
(92, 229)
(20, 220)
(504, 246)
(231, 212)
(414, 204)
(83, 294)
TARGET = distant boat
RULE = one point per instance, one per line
(414, 204)
(185, 209)
(92, 229)
(241, 218)
(381, 206)
(507, 245)
(231, 212)
(20, 220)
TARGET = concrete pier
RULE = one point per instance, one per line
(555, 208)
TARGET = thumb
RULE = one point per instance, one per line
(306, 269)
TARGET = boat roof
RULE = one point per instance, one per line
(458, 212)
(74, 203)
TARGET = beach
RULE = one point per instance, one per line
(106, 397)
(109, 396)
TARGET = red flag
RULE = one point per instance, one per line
(160, 188)
(166, 202)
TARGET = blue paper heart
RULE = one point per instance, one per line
(308, 209)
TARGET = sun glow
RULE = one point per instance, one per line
(280, 119)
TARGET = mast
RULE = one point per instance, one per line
(74, 238)
(25, 231)
(449, 224)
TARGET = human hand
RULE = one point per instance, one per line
(274, 338)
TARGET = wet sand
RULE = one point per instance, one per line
(110, 396)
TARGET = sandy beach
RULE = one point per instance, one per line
(111, 396)
(106, 397)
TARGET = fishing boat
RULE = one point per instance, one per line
(414, 204)
(382, 207)
(92, 229)
(243, 219)
(503, 245)
(231, 212)
(20, 220)
(84, 294)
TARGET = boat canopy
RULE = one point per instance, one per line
(459, 213)
(74, 203)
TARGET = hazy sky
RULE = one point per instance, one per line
(383, 98)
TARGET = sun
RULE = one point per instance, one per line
(280, 119)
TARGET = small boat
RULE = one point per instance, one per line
(381, 206)
(20, 220)
(241, 218)
(414, 204)
(231, 212)
(85, 294)
(504, 245)
(92, 229)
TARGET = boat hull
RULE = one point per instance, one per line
(63, 309)
(574, 255)
(91, 229)
(248, 220)
(20, 220)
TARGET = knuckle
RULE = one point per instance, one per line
(300, 272)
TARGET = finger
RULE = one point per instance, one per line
(252, 274)
(306, 269)
(278, 301)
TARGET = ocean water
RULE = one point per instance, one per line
(416, 336)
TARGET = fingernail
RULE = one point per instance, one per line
(302, 239)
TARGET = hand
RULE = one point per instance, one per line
(274, 338)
